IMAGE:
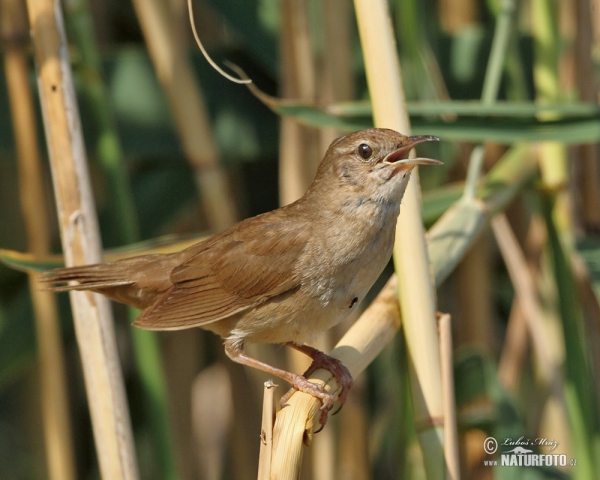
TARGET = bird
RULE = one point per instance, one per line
(281, 277)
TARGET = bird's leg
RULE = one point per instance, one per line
(235, 350)
(322, 360)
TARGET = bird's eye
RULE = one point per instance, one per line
(365, 151)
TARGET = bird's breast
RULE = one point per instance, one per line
(345, 263)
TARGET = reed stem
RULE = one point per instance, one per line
(81, 242)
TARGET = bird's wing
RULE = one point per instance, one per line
(237, 270)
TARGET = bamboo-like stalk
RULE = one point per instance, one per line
(474, 274)
(53, 385)
(416, 290)
(81, 242)
(176, 75)
(266, 433)
(450, 433)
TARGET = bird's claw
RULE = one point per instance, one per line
(318, 391)
(340, 373)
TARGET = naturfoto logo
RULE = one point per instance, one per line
(520, 456)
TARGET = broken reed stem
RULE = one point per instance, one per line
(266, 431)
(51, 364)
(450, 432)
(179, 82)
(81, 242)
(416, 288)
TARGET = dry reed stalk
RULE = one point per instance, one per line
(53, 385)
(450, 432)
(177, 78)
(416, 290)
(474, 274)
(266, 432)
(81, 242)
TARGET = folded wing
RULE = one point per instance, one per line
(239, 269)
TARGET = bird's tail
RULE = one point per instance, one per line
(88, 277)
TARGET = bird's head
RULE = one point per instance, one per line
(372, 163)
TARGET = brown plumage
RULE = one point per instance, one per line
(280, 277)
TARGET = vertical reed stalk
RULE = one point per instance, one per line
(266, 433)
(81, 242)
(450, 433)
(416, 291)
(51, 363)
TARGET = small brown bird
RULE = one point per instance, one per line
(283, 276)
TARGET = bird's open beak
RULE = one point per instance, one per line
(398, 156)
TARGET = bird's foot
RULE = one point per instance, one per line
(337, 369)
(301, 384)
